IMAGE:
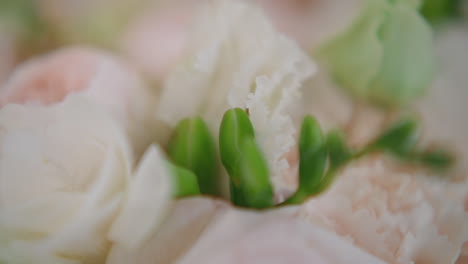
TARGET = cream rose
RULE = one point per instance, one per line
(68, 188)
(95, 74)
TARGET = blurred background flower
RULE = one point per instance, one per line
(96, 74)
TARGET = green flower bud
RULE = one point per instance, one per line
(339, 154)
(193, 148)
(313, 154)
(313, 160)
(244, 162)
(235, 127)
(254, 182)
(185, 182)
(386, 56)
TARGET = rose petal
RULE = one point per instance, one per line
(146, 202)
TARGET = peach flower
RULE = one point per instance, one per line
(399, 216)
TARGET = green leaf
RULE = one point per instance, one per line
(439, 10)
(386, 57)
(185, 182)
(339, 152)
(193, 148)
(437, 159)
(400, 139)
(254, 182)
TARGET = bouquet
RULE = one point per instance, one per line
(233, 131)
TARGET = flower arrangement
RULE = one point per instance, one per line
(238, 139)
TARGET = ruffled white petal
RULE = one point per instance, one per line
(235, 58)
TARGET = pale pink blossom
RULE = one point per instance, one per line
(156, 40)
(311, 22)
(399, 216)
(201, 230)
(99, 76)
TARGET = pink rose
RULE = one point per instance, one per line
(99, 76)
(399, 216)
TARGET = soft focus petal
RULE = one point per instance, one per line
(398, 216)
(155, 40)
(311, 22)
(202, 230)
(97, 22)
(60, 148)
(187, 219)
(62, 172)
(238, 236)
(97, 75)
(443, 110)
(146, 202)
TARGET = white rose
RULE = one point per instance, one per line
(96, 74)
(235, 58)
(68, 188)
